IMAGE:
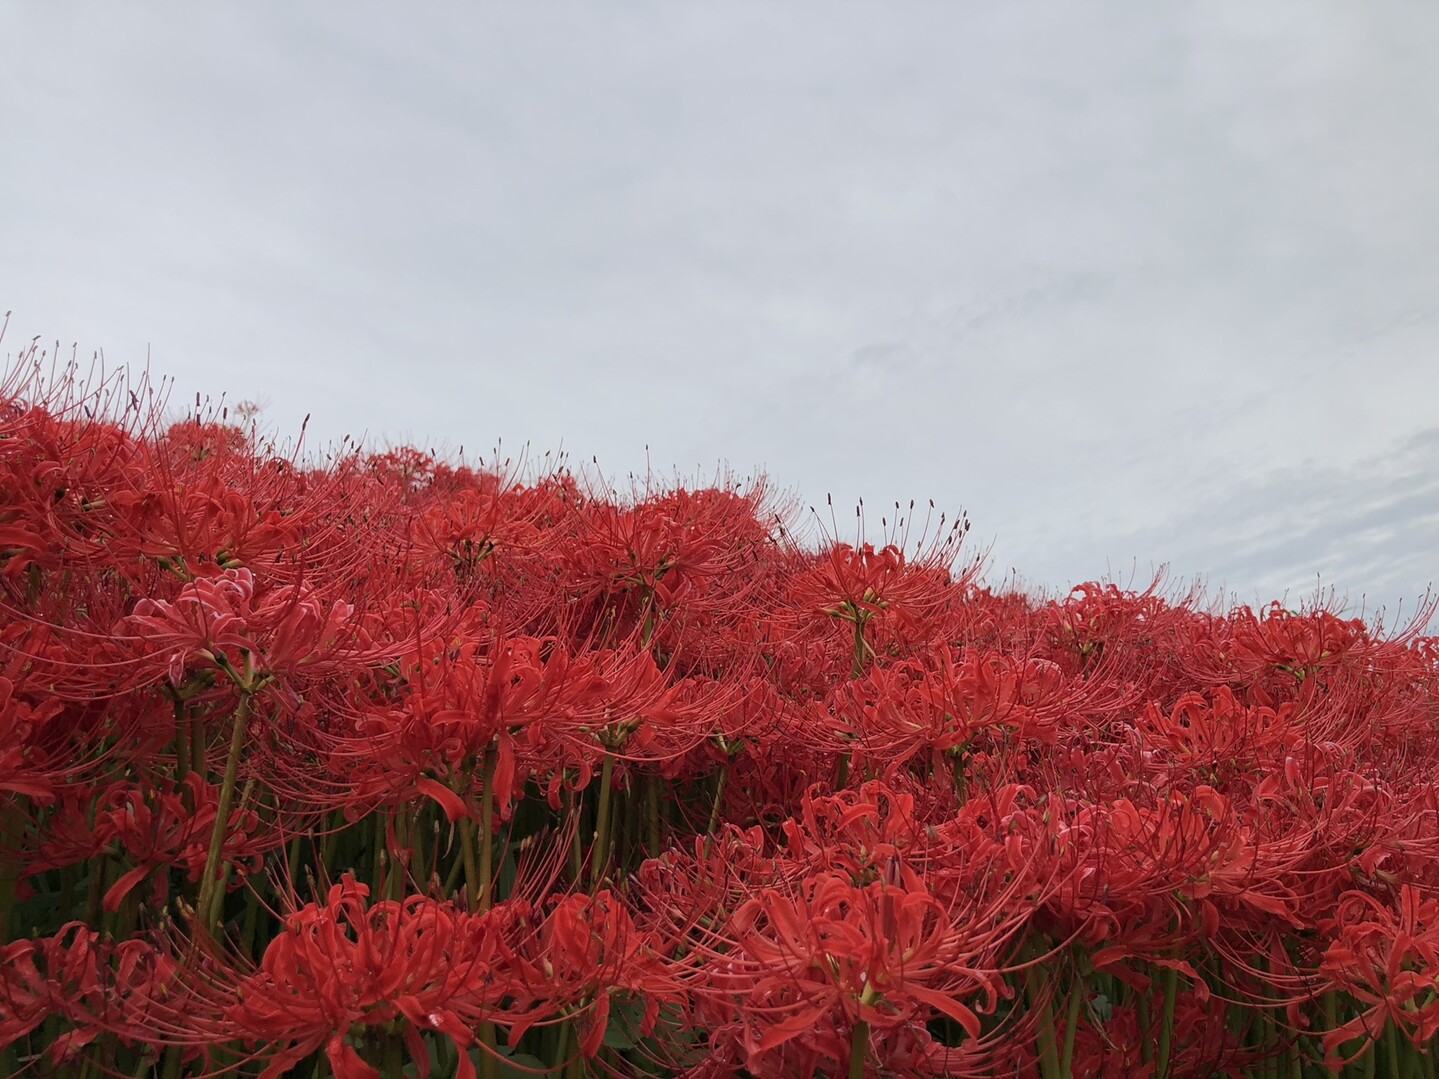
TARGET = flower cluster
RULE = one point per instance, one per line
(386, 766)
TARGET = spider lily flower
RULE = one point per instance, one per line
(61, 975)
(347, 973)
(586, 952)
(824, 950)
(1387, 958)
(25, 768)
(220, 622)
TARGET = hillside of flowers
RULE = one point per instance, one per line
(374, 765)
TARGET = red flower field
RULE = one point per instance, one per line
(382, 766)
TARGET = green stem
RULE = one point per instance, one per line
(1039, 999)
(292, 859)
(575, 810)
(961, 785)
(97, 884)
(860, 648)
(488, 1038)
(222, 889)
(1071, 1026)
(487, 823)
(411, 830)
(205, 902)
(332, 839)
(652, 788)
(182, 740)
(1166, 1023)
(486, 872)
(252, 920)
(718, 802)
(1392, 1050)
(467, 855)
(1331, 1021)
(198, 749)
(858, 1049)
(600, 853)
(562, 1037)
(379, 861)
(393, 1065)
(1146, 1029)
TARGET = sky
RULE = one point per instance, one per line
(1132, 285)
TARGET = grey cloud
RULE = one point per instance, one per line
(1074, 275)
(1369, 530)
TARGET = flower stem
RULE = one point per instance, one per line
(652, 788)
(1392, 1050)
(858, 1049)
(1166, 1023)
(487, 820)
(182, 739)
(393, 1065)
(1071, 1026)
(600, 854)
(486, 1029)
(1038, 998)
(205, 901)
(718, 803)
(467, 856)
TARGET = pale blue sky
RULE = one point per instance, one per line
(1130, 283)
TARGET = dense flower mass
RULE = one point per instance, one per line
(386, 766)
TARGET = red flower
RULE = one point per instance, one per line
(1389, 961)
(826, 951)
(342, 970)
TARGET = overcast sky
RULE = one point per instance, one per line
(1130, 283)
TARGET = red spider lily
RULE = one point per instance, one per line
(205, 506)
(1216, 735)
(1387, 959)
(465, 701)
(1114, 1043)
(1098, 618)
(854, 583)
(629, 705)
(648, 570)
(827, 951)
(587, 952)
(713, 722)
(466, 529)
(522, 698)
(60, 975)
(24, 767)
(57, 467)
(1125, 868)
(159, 825)
(154, 824)
(858, 832)
(938, 707)
(344, 969)
(1140, 784)
(1295, 643)
(218, 622)
(661, 548)
(835, 612)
